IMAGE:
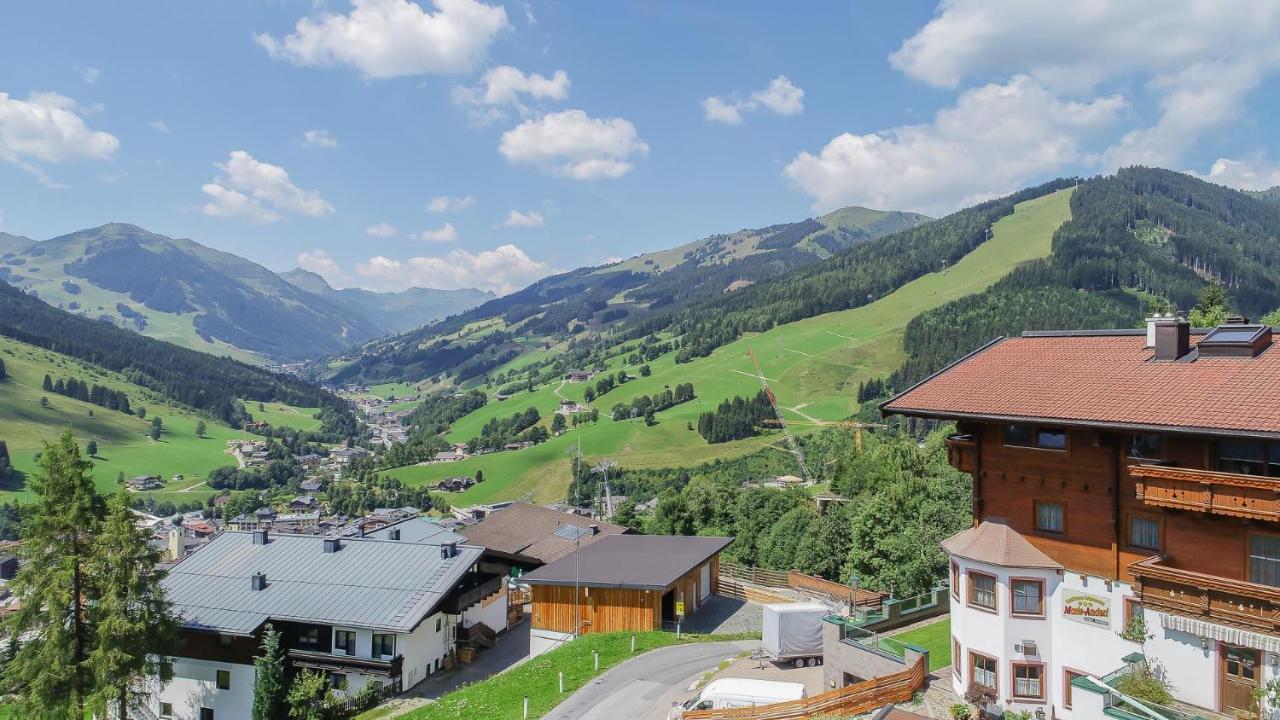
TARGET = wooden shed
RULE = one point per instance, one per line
(625, 582)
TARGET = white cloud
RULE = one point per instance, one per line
(517, 219)
(320, 263)
(505, 85)
(158, 126)
(394, 38)
(448, 203)
(1249, 174)
(248, 187)
(382, 230)
(48, 127)
(90, 74)
(780, 96)
(718, 110)
(319, 139)
(574, 145)
(443, 234)
(503, 269)
(994, 138)
(1207, 58)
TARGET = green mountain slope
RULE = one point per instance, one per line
(181, 291)
(813, 365)
(393, 312)
(583, 304)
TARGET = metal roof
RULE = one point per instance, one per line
(368, 583)
(418, 530)
(631, 561)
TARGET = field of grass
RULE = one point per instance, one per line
(281, 415)
(934, 637)
(123, 443)
(502, 696)
(813, 366)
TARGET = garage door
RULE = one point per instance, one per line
(705, 584)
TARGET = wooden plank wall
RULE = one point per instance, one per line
(600, 609)
(1082, 479)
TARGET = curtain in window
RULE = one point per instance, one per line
(1264, 559)
(1026, 597)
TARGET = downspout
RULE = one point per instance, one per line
(1116, 474)
(977, 474)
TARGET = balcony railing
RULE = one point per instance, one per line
(335, 662)
(473, 588)
(962, 453)
(1220, 493)
(1239, 603)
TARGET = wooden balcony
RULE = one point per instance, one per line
(1238, 603)
(333, 662)
(1220, 493)
(962, 453)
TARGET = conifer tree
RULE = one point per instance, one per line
(133, 621)
(49, 672)
(91, 449)
(47, 385)
(270, 694)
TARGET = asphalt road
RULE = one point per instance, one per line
(643, 688)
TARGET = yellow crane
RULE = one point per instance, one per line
(857, 427)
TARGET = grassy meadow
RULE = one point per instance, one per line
(123, 442)
(813, 366)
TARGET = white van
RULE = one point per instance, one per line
(739, 693)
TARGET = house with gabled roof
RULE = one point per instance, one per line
(360, 610)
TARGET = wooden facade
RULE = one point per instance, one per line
(1205, 518)
(614, 609)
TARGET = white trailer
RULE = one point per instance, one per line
(792, 632)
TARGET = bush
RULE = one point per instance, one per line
(1147, 683)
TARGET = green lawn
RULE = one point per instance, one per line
(813, 366)
(281, 415)
(123, 443)
(502, 696)
(934, 637)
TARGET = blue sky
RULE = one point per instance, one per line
(567, 134)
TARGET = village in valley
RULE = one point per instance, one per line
(522, 360)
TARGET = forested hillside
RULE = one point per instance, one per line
(184, 292)
(1140, 237)
(194, 379)
(568, 310)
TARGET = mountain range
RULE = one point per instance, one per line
(179, 290)
(644, 289)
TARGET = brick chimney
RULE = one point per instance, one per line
(1172, 338)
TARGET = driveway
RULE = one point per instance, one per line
(644, 688)
(725, 615)
(511, 650)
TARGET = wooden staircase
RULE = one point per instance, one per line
(478, 635)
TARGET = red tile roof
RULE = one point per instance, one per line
(1109, 380)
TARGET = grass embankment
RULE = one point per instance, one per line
(502, 696)
(123, 443)
(934, 637)
(813, 366)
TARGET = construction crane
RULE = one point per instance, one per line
(777, 411)
(857, 427)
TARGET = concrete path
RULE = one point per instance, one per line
(644, 687)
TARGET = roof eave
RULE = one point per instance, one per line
(1078, 423)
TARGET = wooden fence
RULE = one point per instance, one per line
(834, 590)
(516, 596)
(735, 588)
(753, 575)
(850, 700)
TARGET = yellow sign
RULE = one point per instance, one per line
(680, 607)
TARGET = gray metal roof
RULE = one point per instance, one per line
(651, 562)
(368, 583)
(418, 530)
